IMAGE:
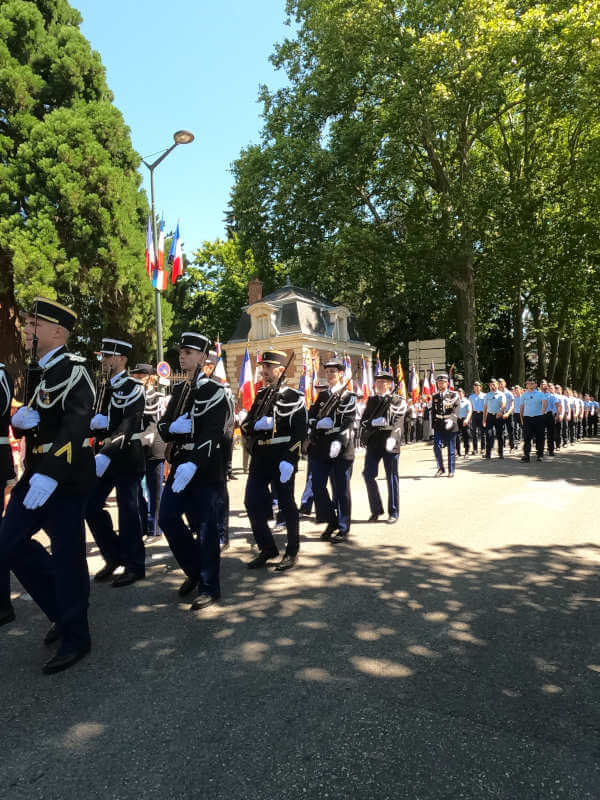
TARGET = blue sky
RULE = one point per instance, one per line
(194, 64)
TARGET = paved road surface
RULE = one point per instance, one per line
(454, 655)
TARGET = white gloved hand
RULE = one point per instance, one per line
(325, 424)
(182, 424)
(40, 489)
(25, 418)
(335, 449)
(242, 414)
(183, 475)
(102, 462)
(99, 422)
(286, 470)
(378, 422)
(390, 444)
(448, 424)
(264, 424)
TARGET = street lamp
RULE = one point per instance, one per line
(180, 137)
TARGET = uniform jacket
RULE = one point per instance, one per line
(443, 408)
(393, 412)
(284, 441)
(7, 470)
(60, 445)
(343, 426)
(210, 412)
(154, 447)
(122, 440)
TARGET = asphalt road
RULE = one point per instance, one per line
(454, 655)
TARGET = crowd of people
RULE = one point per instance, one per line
(168, 461)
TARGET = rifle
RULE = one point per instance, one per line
(380, 409)
(101, 404)
(328, 409)
(185, 401)
(264, 408)
(33, 373)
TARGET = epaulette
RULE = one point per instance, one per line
(75, 358)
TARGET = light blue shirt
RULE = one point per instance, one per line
(509, 398)
(49, 355)
(595, 405)
(493, 401)
(464, 408)
(531, 403)
(517, 403)
(552, 401)
(477, 401)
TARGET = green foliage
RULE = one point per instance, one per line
(71, 210)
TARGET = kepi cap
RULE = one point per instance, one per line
(384, 375)
(142, 369)
(276, 357)
(52, 311)
(443, 376)
(195, 341)
(115, 347)
(335, 363)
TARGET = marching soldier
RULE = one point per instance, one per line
(275, 439)
(59, 472)
(7, 472)
(477, 400)
(444, 413)
(331, 451)
(381, 432)
(120, 466)
(465, 412)
(194, 424)
(154, 452)
(494, 408)
(533, 409)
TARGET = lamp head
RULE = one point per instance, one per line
(183, 137)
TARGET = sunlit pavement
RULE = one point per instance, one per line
(455, 654)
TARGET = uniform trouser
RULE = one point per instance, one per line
(572, 431)
(307, 499)
(419, 429)
(371, 469)
(196, 545)
(584, 427)
(517, 427)
(557, 433)
(564, 431)
(449, 439)
(533, 428)
(264, 471)
(595, 425)
(127, 547)
(148, 511)
(411, 429)
(510, 430)
(339, 510)
(477, 431)
(4, 573)
(494, 428)
(464, 436)
(548, 418)
(223, 514)
(578, 428)
(58, 583)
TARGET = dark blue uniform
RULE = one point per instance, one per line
(57, 448)
(382, 443)
(444, 418)
(196, 545)
(7, 472)
(154, 459)
(122, 444)
(269, 449)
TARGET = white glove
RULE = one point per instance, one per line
(99, 422)
(264, 424)
(378, 422)
(325, 424)
(183, 475)
(102, 463)
(147, 439)
(448, 424)
(335, 449)
(286, 470)
(242, 414)
(390, 444)
(181, 425)
(40, 489)
(25, 418)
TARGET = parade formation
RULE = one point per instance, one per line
(86, 440)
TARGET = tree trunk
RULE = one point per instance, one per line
(518, 365)
(585, 369)
(540, 341)
(564, 361)
(464, 283)
(574, 370)
(555, 342)
(11, 345)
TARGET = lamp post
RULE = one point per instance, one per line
(180, 137)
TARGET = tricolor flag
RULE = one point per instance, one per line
(160, 277)
(426, 391)
(258, 381)
(413, 384)
(246, 384)
(364, 372)
(302, 384)
(161, 245)
(348, 372)
(451, 377)
(219, 372)
(432, 378)
(150, 257)
(370, 376)
(176, 256)
(313, 383)
(377, 365)
(400, 379)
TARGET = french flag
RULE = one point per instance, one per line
(413, 384)
(246, 384)
(348, 373)
(176, 256)
(365, 380)
(258, 382)
(426, 390)
(149, 255)
(219, 372)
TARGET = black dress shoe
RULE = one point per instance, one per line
(439, 473)
(105, 573)
(539, 458)
(7, 615)
(261, 559)
(373, 517)
(391, 519)
(203, 600)
(64, 660)
(53, 634)
(287, 562)
(127, 578)
(341, 536)
(329, 531)
(187, 586)
(525, 458)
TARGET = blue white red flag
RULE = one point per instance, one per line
(149, 255)
(176, 256)
(246, 384)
